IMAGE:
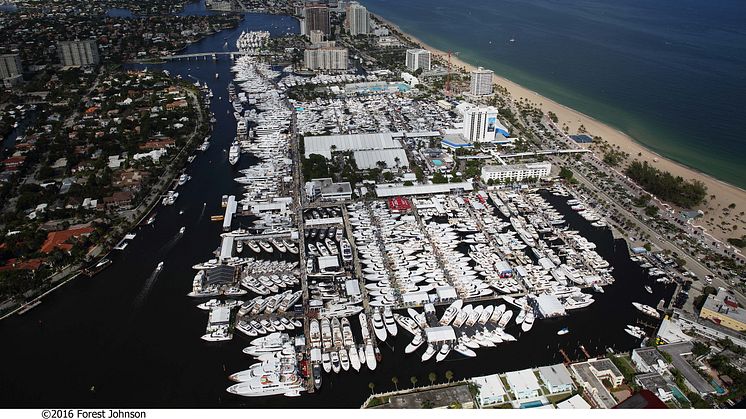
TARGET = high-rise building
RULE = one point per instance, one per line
(10, 66)
(78, 53)
(481, 124)
(316, 36)
(418, 58)
(481, 82)
(316, 18)
(358, 20)
(325, 56)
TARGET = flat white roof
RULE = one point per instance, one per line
(322, 144)
(523, 380)
(226, 247)
(490, 386)
(321, 221)
(440, 334)
(433, 188)
(556, 375)
(550, 305)
(574, 402)
(352, 287)
(368, 159)
(220, 315)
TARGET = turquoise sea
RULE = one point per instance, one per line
(670, 73)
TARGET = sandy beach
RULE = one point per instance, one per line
(719, 221)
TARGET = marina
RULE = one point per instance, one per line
(355, 292)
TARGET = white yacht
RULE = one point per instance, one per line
(646, 309)
(269, 385)
(418, 340)
(429, 352)
(378, 326)
(388, 320)
(451, 312)
(234, 153)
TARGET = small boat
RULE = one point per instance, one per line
(648, 289)
(563, 331)
(159, 267)
(182, 230)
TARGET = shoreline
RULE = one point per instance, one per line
(724, 192)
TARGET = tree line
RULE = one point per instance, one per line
(667, 186)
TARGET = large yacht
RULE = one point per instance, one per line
(234, 153)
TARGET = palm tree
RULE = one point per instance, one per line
(449, 375)
(413, 380)
(432, 377)
(395, 380)
(371, 386)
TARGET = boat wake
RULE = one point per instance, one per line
(143, 295)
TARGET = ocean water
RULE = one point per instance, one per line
(670, 73)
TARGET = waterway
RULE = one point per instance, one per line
(129, 337)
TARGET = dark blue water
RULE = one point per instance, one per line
(128, 338)
(670, 73)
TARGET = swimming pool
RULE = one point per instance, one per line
(528, 405)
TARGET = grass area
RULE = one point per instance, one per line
(501, 406)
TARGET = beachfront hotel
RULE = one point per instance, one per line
(418, 58)
(481, 124)
(481, 82)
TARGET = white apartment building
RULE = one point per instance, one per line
(516, 172)
(358, 21)
(325, 57)
(481, 82)
(78, 53)
(418, 58)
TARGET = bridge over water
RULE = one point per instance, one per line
(214, 55)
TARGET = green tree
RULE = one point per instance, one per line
(371, 386)
(395, 380)
(413, 380)
(449, 375)
(432, 377)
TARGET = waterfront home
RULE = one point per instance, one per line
(556, 378)
(491, 390)
(523, 384)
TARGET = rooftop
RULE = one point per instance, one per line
(384, 191)
(322, 145)
(523, 380)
